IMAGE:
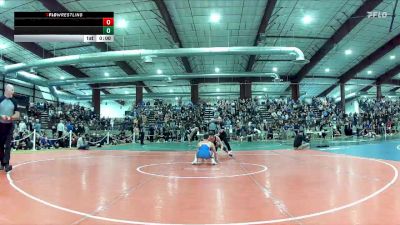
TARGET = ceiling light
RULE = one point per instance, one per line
(62, 77)
(170, 90)
(176, 98)
(2, 2)
(147, 59)
(218, 97)
(218, 89)
(106, 74)
(348, 52)
(159, 71)
(216, 70)
(126, 92)
(122, 23)
(274, 69)
(327, 70)
(215, 18)
(3, 46)
(369, 72)
(392, 57)
(307, 19)
(264, 89)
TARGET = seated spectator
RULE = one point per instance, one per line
(336, 133)
(44, 142)
(82, 142)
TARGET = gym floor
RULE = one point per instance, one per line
(351, 182)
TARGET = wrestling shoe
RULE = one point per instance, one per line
(7, 168)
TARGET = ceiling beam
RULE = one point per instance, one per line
(369, 86)
(124, 66)
(392, 82)
(369, 60)
(38, 50)
(341, 33)
(201, 80)
(296, 37)
(366, 88)
(388, 75)
(120, 84)
(11, 61)
(162, 8)
(232, 80)
(41, 52)
(274, 60)
(386, 78)
(327, 91)
(269, 8)
(55, 6)
(96, 67)
(68, 48)
(394, 89)
(355, 78)
(333, 77)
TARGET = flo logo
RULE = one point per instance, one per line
(377, 14)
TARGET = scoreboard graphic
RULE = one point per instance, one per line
(63, 26)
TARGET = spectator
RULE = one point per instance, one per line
(60, 129)
(37, 126)
(82, 143)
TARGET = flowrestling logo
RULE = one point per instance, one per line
(64, 15)
(377, 14)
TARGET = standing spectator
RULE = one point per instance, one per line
(70, 127)
(141, 135)
(112, 123)
(37, 126)
(53, 131)
(22, 128)
(60, 129)
(151, 133)
(212, 127)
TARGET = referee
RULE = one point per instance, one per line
(8, 113)
(224, 137)
(141, 134)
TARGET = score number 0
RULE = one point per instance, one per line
(108, 25)
(108, 22)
